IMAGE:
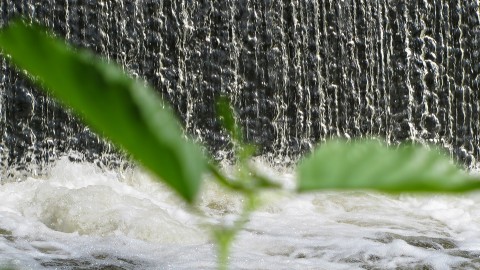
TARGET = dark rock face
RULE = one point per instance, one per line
(298, 72)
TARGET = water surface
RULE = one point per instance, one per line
(82, 217)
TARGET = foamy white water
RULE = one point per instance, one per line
(80, 217)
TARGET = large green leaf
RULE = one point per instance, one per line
(371, 165)
(126, 111)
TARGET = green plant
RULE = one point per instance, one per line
(132, 116)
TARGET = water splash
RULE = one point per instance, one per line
(80, 216)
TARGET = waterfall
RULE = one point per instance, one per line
(298, 72)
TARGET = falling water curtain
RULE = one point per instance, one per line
(297, 72)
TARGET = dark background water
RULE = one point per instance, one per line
(298, 72)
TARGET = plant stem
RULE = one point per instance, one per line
(225, 235)
(243, 187)
(224, 243)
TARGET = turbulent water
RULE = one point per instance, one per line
(82, 217)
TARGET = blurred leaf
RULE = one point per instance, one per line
(371, 165)
(126, 111)
(227, 116)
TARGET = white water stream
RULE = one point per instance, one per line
(80, 217)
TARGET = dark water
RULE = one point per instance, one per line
(298, 72)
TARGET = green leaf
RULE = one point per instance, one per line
(226, 114)
(371, 165)
(227, 117)
(126, 111)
